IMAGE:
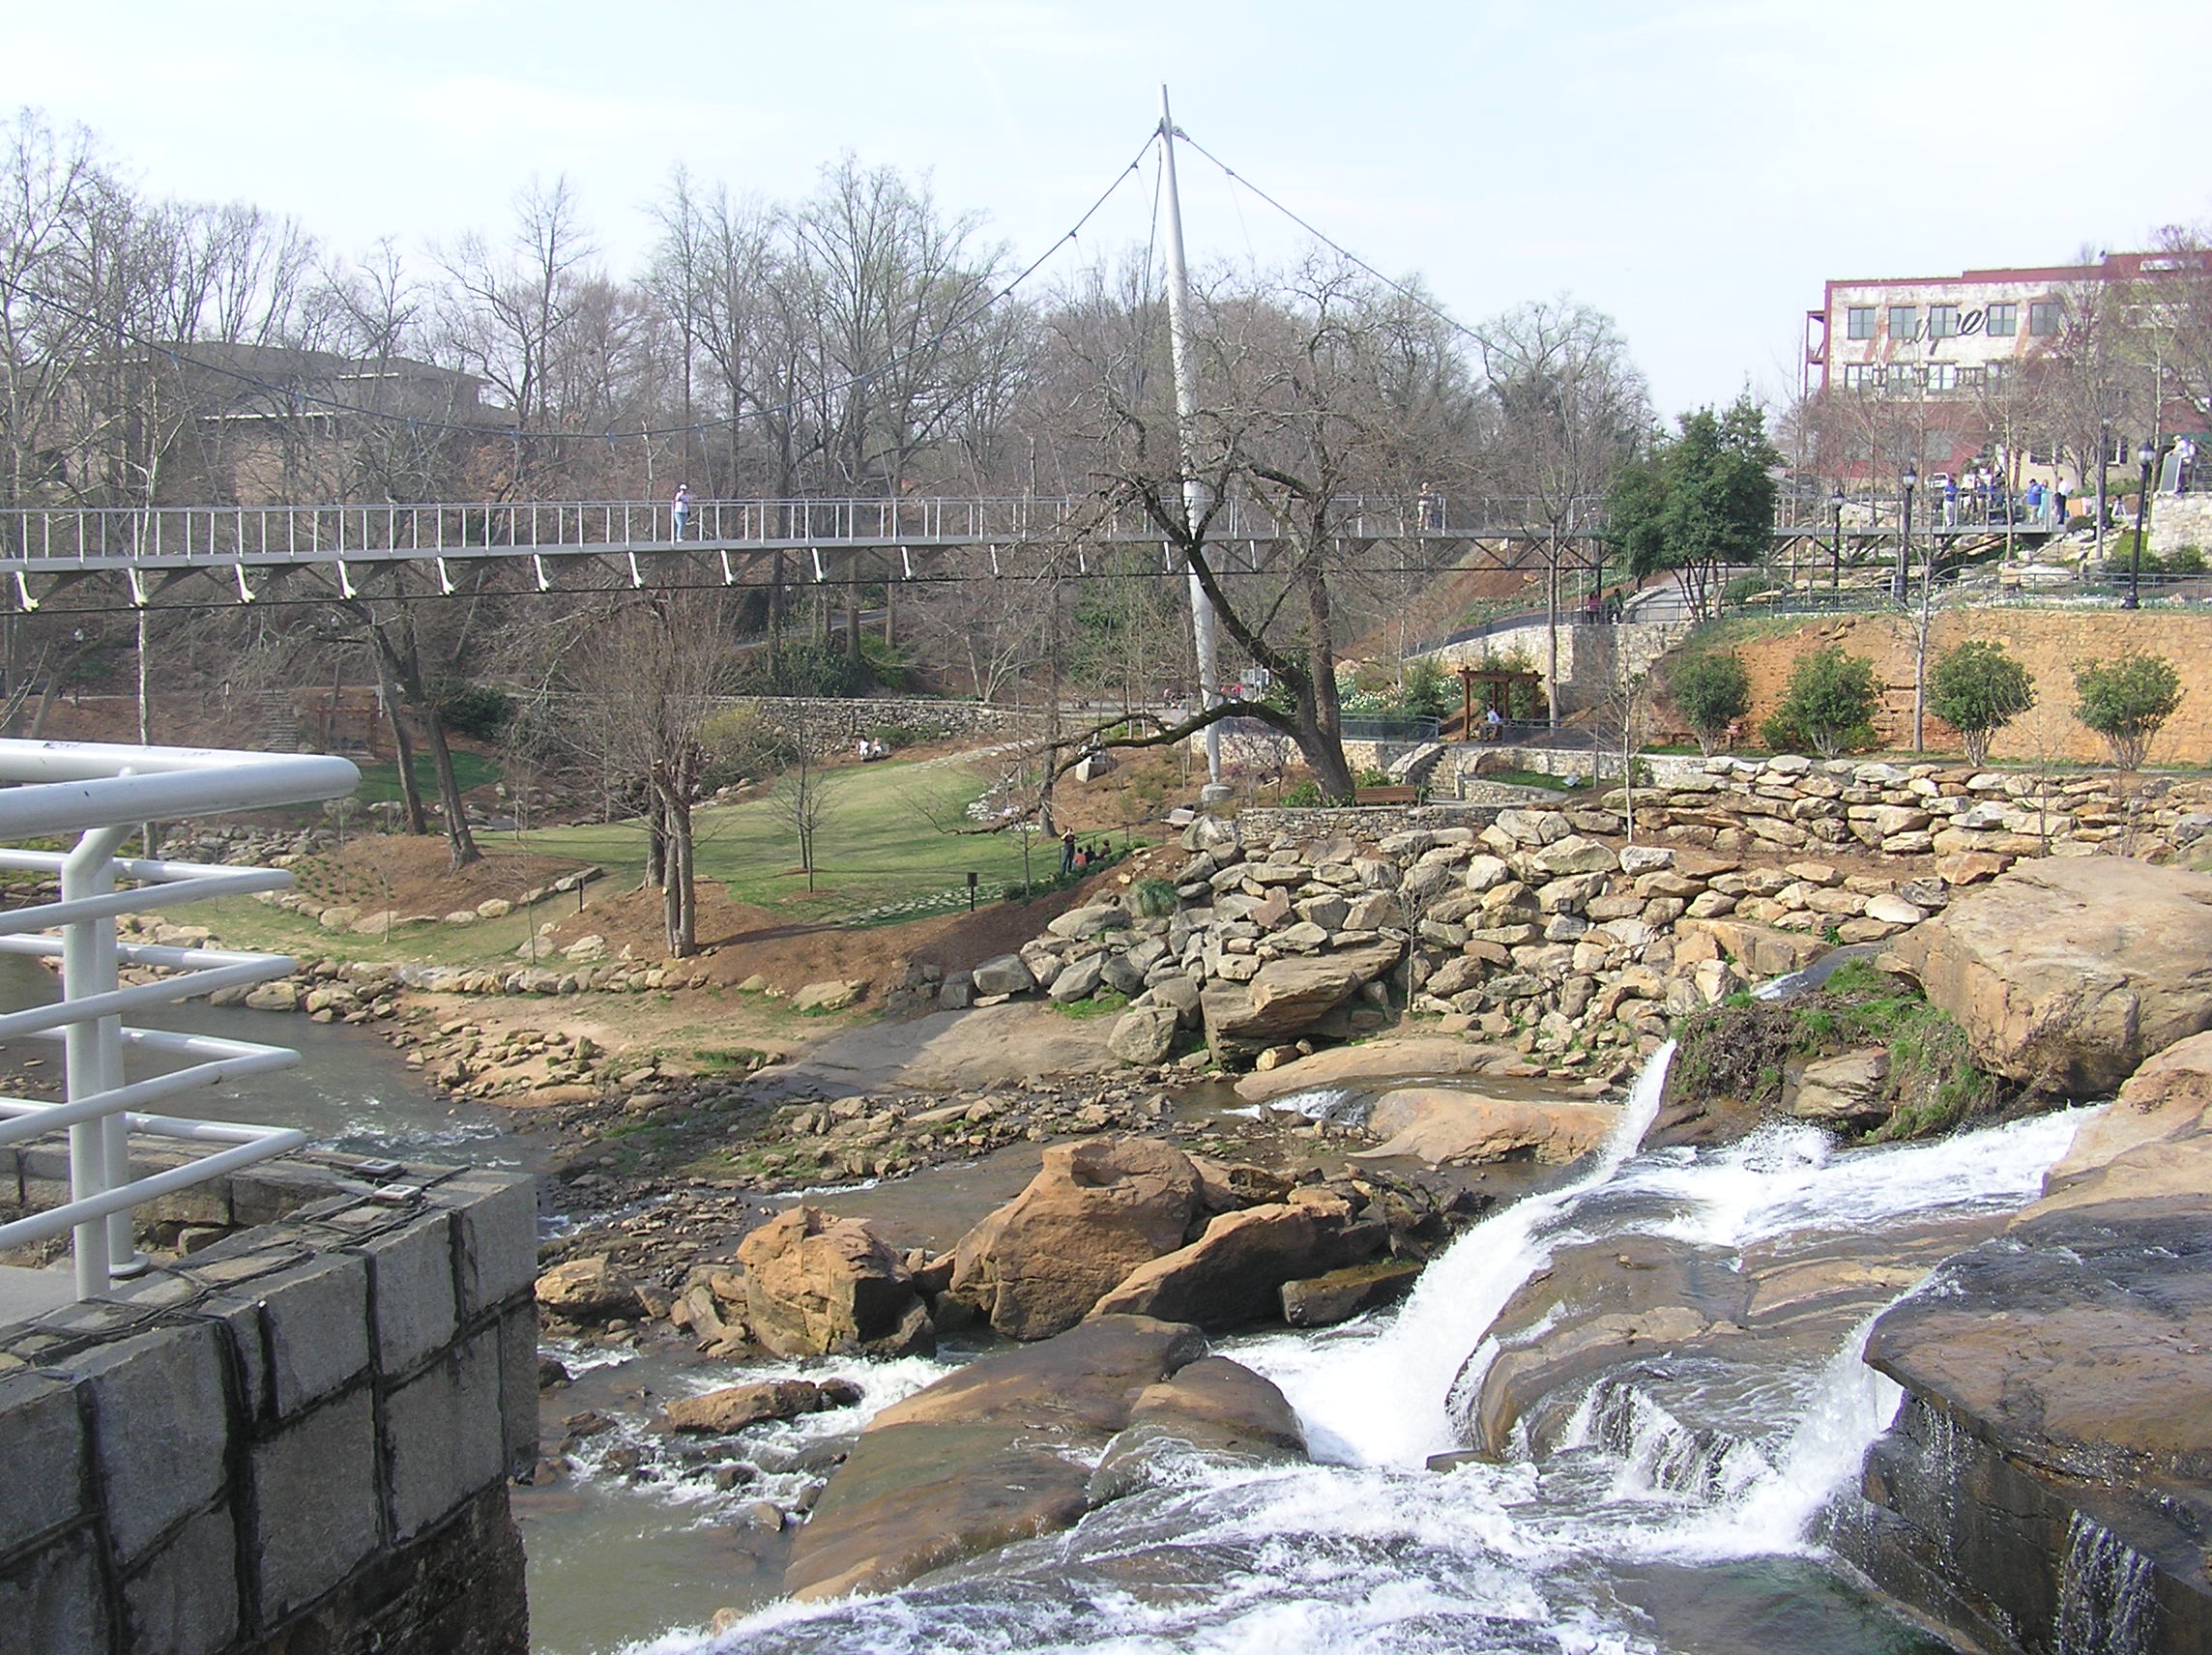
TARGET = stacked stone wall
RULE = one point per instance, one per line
(296, 1438)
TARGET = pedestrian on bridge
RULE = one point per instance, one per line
(681, 509)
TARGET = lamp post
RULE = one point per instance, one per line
(2145, 456)
(1836, 546)
(1902, 584)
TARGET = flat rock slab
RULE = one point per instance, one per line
(1438, 1124)
(2081, 1343)
(1371, 1060)
(949, 1051)
(983, 1457)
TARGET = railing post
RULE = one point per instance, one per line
(88, 968)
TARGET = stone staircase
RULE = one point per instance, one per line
(276, 722)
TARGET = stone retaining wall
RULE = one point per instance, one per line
(297, 1439)
(843, 720)
(1794, 803)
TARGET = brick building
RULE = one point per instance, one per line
(1958, 367)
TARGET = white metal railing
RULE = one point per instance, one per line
(101, 794)
(58, 539)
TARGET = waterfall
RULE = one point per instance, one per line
(2105, 1602)
(1415, 1358)
(1661, 1472)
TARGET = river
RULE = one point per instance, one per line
(1598, 1546)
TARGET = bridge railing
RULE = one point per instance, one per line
(61, 538)
(99, 795)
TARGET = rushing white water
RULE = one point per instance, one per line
(1570, 1553)
(1412, 1359)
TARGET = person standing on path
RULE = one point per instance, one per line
(680, 508)
(1067, 852)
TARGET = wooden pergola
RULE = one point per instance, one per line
(1496, 692)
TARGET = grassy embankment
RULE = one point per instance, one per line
(884, 842)
(1738, 1050)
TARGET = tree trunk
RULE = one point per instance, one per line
(1552, 634)
(403, 744)
(458, 839)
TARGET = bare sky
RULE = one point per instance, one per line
(1697, 170)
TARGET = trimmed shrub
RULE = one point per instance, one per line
(1829, 706)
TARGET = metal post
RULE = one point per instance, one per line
(1203, 623)
(1902, 586)
(1836, 548)
(92, 1049)
(2145, 456)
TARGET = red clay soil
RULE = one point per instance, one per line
(415, 875)
(738, 941)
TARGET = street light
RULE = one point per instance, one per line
(2145, 456)
(1836, 544)
(1902, 584)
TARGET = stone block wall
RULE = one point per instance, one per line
(297, 1439)
(846, 721)
(1907, 811)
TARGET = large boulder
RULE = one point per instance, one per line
(1443, 1123)
(2153, 1141)
(2056, 1424)
(1097, 1210)
(1287, 996)
(996, 1452)
(1233, 1274)
(1004, 974)
(1144, 1033)
(817, 1285)
(1214, 1407)
(586, 1290)
(2067, 972)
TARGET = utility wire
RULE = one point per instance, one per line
(417, 423)
(1411, 296)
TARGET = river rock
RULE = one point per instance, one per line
(1214, 1407)
(1097, 1210)
(2066, 973)
(1144, 1033)
(1850, 1087)
(733, 1407)
(983, 1457)
(1287, 996)
(817, 1285)
(2153, 1141)
(1004, 974)
(1440, 1124)
(1233, 1274)
(1323, 1301)
(586, 1290)
(1387, 1057)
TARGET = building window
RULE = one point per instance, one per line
(1905, 322)
(1862, 376)
(1942, 321)
(2043, 318)
(1942, 376)
(1858, 322)
(2003, 321)
(1972, 378)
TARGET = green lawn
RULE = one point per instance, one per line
(379, 783)
(883, 840)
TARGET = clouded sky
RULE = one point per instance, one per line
(1697, 170)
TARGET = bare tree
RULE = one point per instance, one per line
(647, 667)
(1572, 407)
